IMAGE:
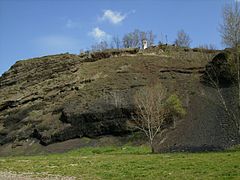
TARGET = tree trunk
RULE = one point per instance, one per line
(152, 148)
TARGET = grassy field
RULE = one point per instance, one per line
(128, 163)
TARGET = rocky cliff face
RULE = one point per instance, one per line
(61, 97)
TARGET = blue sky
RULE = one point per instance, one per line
(33, 28)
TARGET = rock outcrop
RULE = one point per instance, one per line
(56, 98)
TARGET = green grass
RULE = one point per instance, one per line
(129, 163)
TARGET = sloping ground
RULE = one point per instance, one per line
(61, 97)
(207, 125)
(205, 128)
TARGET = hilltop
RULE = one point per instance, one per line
(60, 102)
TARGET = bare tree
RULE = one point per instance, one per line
(151, 38)
(127, 40)
(163, 39)
(100, 46)
(166, 39)
(183, 39)
(142, 36)
(230, 28)
(134, 39)
(230, 32)
(131, 39)
(116, 42)
(152, 111)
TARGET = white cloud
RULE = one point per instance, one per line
(99, 34)
(114, 17)
(72, 24)
(56, 44)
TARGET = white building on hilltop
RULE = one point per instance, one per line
(144, 44)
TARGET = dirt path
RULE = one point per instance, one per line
(28, 176)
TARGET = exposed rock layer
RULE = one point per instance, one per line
(56, 98)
